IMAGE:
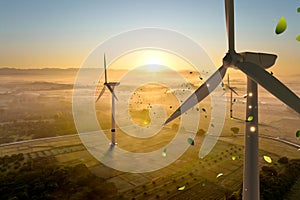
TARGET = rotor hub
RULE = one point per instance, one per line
(231, 59)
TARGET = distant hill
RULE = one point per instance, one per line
(15, 71)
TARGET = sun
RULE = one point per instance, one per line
(153, 63)
(154, 60)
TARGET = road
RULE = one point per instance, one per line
(76, 135)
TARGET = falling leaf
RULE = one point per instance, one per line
(164, 153)
(267, 159)
(250, 118)
(298, 10)
(220, 174)
(233, 157)
(298, 38)
(191, 141)
(281, 26)
(181, 188)
(298, 133)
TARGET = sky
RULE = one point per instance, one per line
(62, 33)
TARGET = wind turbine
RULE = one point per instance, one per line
(253, 65)
(232, 90)
(110, 86)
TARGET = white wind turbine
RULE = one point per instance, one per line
(253, 65)
(111, 86)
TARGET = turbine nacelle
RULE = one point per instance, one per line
(112, 84)
(263, 60)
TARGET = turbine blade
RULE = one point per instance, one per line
(101, 93)
(229, 14)
(272, 84)
(232, 89)
(112, 91)
(202, 92)
(105, 69)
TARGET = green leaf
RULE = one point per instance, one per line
(220, 174)
(298, 38)
(281, 26)
(298, 10)
(164, 153)
(250, 118)
(268, 159)
(298, 133)
(181, 188)
(190, 141)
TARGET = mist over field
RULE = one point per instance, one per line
(37, 104)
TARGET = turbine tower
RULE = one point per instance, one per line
(110, 86)
(253, 65)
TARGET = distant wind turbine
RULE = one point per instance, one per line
(253, 65)
(232, 90)
(111, 86)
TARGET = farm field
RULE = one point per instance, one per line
(36, 121)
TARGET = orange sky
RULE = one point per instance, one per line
(37, 34)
